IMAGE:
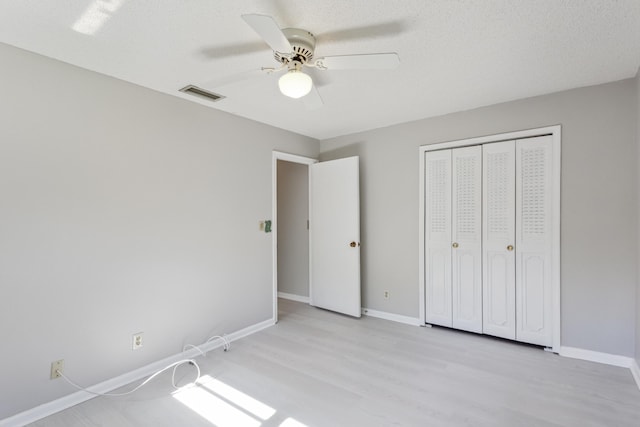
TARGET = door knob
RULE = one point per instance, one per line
(510, 248)
(454, 245)
(354, 244)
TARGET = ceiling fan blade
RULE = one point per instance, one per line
(313, 100)
(380, 61)
(267, 28)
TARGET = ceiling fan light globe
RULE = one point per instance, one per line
(295, 84)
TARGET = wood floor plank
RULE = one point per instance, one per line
(324, 369)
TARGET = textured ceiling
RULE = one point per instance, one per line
(454, 54)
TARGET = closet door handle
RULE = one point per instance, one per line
(510, 248)
(454, 245)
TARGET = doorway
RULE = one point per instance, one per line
(290, 228)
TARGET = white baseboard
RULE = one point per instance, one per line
(414, 321)
(242, 333)
(596, 356)
(49, 408)
(635, 371)
(293, 297)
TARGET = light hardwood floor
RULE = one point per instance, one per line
(319, 368)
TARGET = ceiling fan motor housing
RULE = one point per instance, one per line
(303, 43)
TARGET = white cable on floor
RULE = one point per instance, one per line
(226, 346)
(173, 379)
(186, 346)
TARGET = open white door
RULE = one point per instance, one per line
(334, 236)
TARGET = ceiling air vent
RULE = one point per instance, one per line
(195, 90)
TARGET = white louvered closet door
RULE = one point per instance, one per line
(466, 237)
(534, 240)
(498, 217)
(492, 238)
(438, 238)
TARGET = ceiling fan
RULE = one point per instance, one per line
(293, 49)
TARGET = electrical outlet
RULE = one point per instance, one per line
(136, 341)
(386, 294)
(56, 368)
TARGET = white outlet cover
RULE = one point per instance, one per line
(137, 341)
(56, 366)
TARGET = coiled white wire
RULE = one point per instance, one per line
(173, 379)
(226, 345)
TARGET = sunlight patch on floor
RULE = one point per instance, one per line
(291, 422)
(225, 406)
(244, 401)
(213, 409)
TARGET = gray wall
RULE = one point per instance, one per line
(122, 210)
(293, 235)
(599, 204)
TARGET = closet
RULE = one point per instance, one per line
(491, 238)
